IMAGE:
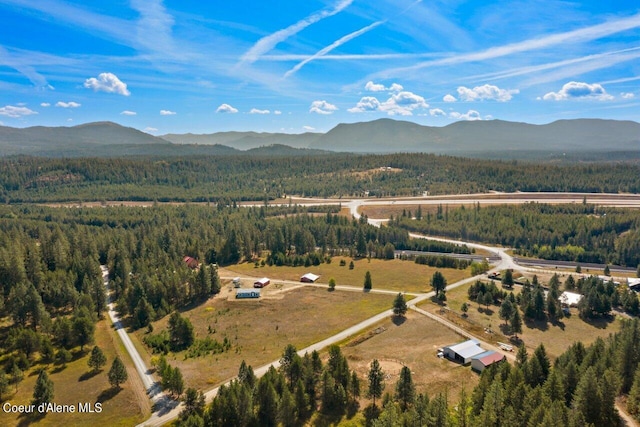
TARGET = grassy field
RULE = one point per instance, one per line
(555, 337)
(259, 330)
(397, 275)
(413, 343)
(74, 384)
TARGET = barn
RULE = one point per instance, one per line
(261, 283)
(483, 360)
(190, 261)
(309, 278)
(463, 352)
(248, 293)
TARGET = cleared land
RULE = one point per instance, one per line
(75, 383)
(259, 330)
(555, 337)
(395, 275)
(413, 343)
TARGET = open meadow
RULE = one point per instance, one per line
(395, 275)
(259, 330)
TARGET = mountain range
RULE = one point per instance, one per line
(501, 138)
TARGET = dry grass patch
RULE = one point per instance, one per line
(413, 343)
(397, 275)
(75, 384)
(260, 329)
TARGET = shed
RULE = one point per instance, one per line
(486, 359)
(248, 293)
(261, 283)
(463, 352)
(309, 278)
(191, 262)
(634, 284)
(570, 299)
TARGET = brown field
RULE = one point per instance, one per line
(259, 330)
(75, 384)
(556, 338)
(396, 275)
(413, 343)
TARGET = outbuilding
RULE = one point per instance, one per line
(463, 352)
(261, 283)
(483, 360)
(247, 293)
(570, 299)
(309, 278)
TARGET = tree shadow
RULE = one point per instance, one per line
(58, 369)
(559, 323)
(505, 329)
(599, 322)
(108, 394)
(352, 409)
(88, 375)
(328, 418)
(398, 320)
(541, 325)
(371, 413)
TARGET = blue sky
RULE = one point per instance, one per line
(295, 66)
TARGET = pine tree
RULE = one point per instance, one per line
(43, 390)
(399, 305)
(516, 323)
(507, 278)
(118, 373)
(367, 281)
(506, 310)
(332, 284)
(438, 283)
(376, 381)
(405, 390)
(4, 384)
(97, 359)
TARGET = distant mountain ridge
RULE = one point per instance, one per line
(500, 138)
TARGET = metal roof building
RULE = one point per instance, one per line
(464, 351)
(486, 359)
(309, 278)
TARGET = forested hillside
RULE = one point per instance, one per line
(236, 178)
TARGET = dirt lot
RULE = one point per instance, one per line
(259, 330)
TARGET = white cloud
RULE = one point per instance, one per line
(486, 92)
(308, 128)
(128, 113)
(366, 103)
(469, 115)
(45, 104)
(376, 87)
(322, 107)
(15, 112)
(150, 129)
(399, 104)
(107, 82)
(256, 111)
(167, 113)
(628, 95)
(226, 108)
(579, 90)
(449, 98)
(267, 43)
(436, 112)
(277, 112)
(70, 104)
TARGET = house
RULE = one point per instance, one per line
(309, 278)
(570, 299)
(192, 263)
(261, 283)
(463, 352)
(483, 360)
(247, 293)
